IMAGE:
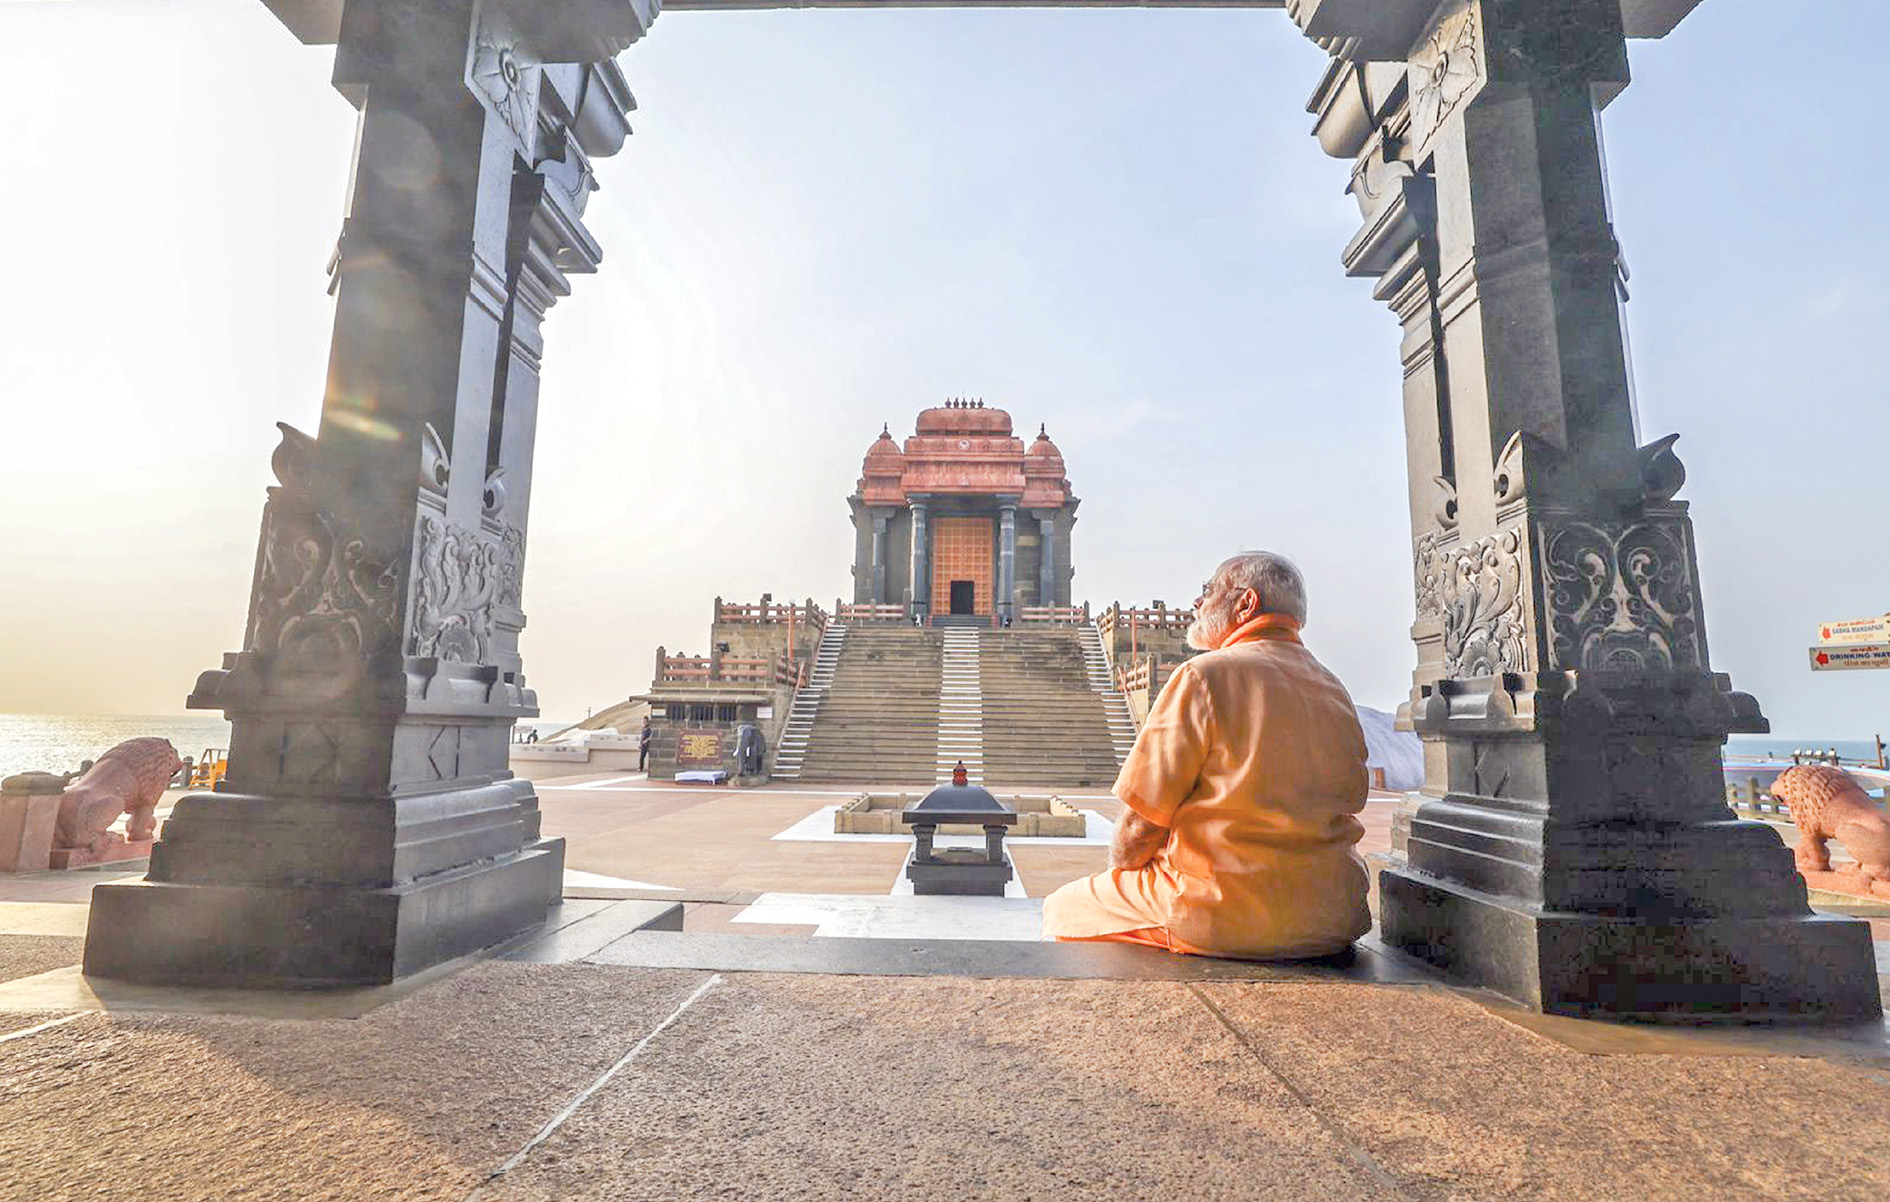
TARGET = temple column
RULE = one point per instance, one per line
(879, 558)
(1573, 848)
(369, 824)
(1007, 561)
(921, 558)
(1047, 561)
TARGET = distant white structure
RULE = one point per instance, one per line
(1399, 752)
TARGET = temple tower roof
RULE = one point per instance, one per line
(965, 448)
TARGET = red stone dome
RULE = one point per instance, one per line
(1043, 458)
(1044, 485)
(884, 457)
(882, 471)
(964, 417)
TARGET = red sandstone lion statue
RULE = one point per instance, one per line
(1827, 803)
(128, 779)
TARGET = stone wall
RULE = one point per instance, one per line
(769, 716)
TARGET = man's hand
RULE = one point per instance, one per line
(1137, 841)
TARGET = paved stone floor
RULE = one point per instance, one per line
(881, 1069)
(585, 1081)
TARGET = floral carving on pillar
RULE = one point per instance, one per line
(321, 597)
(1621, 596)
(1445, 72)
(511, 565)
(458, 580)
(1431, 567)
(503, 71)
(1485, 611)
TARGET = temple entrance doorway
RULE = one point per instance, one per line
(963, 566)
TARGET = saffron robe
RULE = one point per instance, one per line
(1253, 760)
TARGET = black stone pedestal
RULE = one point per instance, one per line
(273, 892)
(958, 872)
(1809, 967)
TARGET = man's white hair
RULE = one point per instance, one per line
(1281, 588)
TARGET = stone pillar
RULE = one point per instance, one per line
(921, 558)
(1047, 561)
(1573, 848)
(1007, 561)
(369, 825)
(879, 558)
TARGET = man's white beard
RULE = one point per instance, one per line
(1209, 627)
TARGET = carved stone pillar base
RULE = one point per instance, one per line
(1585, 862)
(1806, 967)
(299, 892)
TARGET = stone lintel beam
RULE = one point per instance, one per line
(592, 30)
(1364, 30)
(571, 31)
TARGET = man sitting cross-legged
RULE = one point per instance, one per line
(1240, 796)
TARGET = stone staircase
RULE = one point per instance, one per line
(877, 720)
(1116, 713)
(1031, 708)
(1052, 717)
(960, 708)
(791, 755)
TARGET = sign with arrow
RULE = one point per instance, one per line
(1848, 656)
(1856, 630)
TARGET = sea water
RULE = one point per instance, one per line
(60, 742)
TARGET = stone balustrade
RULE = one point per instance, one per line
(769, 612)
(851, 613)
(1053, 615)
(1157, 617)
(715, 668)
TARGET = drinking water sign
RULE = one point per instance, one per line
(1853, 655)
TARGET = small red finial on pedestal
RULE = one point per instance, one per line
(959, 775)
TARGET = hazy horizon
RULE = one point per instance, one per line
(1114, 222)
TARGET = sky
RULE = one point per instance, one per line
(1113, 222)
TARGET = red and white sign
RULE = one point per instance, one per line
(1837, 658)
(1856, 630)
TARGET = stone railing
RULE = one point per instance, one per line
(728, 669)
(1140, 679)
(1127, 633)
(770, 612)
(1754, 799)
(1053, 615)
(1137, 676)
(1157, 617)
(849, 612)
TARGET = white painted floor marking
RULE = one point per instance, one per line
(48, 1025)
(855, 916)
(596, 880)
(606, 783)
(558, 1119)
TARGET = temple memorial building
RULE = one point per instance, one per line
(963, 522)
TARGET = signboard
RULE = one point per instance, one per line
(1856, 630)
(764, 713)
(1841, 657)
(699, 749)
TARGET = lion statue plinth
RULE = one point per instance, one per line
(129, 779)
(1827, 803)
